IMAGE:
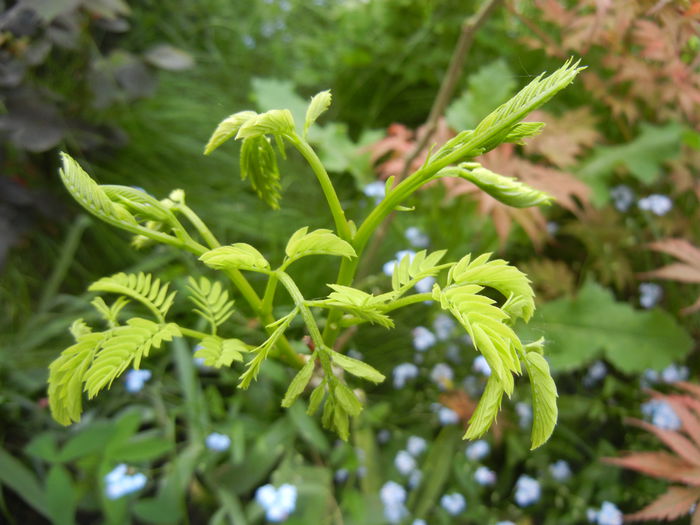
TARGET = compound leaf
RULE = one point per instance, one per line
(258, 163)
(227, 129)
(140, 287)
(236, 256)
(211, 300)
(412, 268)
(318, 242)
(218, 352)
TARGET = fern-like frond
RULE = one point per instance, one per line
(262, 351)
(92, 197)
(273, 122)
(498, 274)
(122, 346)
(211, 300)
(361, 304)
(258, 163)
(110, 313)
(227, 129)
(412, 268)
(79, 328)
(140, 287)
(138, 202)
(66, 378)
(544, 398)
(218, 352)
(485, 324)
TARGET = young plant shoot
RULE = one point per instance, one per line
(100, 355)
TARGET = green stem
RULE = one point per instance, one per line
(269, 293)
(196, 334)
(199, 225)
(407, 301)
(341, 223)
(300, 302)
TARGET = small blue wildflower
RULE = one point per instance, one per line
(443, 325)
(560, 470)
(418, 522)
(623, 197)
(375, 190)
(661, 414)
(218, 442)
(485, 476)
(383, 436)
(341, 475)
(393, 497)
(404, 462)
(425, 285)
(118, 483)
(453, 503)
(423, 338)
(416, 445)
(442, 374)
(136, 379)
(278, 503)
(478, 450)
(481, 366)
(591, 515)
(656, 203)
(415, 478)
(609, 514)
(416, 237)
(524, 411)
(650, 294)
(507, 522)
(527, 491)
(403, 373)
(447, 416)
(596, 372)
(552, 228)
(674, 373)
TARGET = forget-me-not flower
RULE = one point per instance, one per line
(527, 491)
(661, 414)
(481, 366)
(278, 503)
(656, 203)
(623, 197)
(217, 442)
(393, 497)
(560, 470)
(608, 514)
(136, 379)
(674, 373)
(447, 416)
(453, 503)
(404, 462)
(524, 411)
(485, 476)
(423, 338)
(403, 373)
(416, 237)
(375, 190)
(443, 326)
(119, 483)
(478, 450)
(650, 294)
(416, 445)
(442, 374)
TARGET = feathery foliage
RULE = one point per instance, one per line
(211, 301)
(413, 268)
(217, 352)
(141, 287)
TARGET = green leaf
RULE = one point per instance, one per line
(273, 122)
(141, 447)
(319, 104)
(347, 399)
(91, 196)
(544, 398)
(317, 395)
(357, 368)
(236, 256)
(496, 126)
(141, 287)
(79, 328)
(227, 129)
(488, 87)
(363, 305)
(61, 497)
(66, 377)
(487, 409)
(258, 163)
(218, 352)
(524, 130)
(413, 268)
(498, 274)
(21, 480)
(139, 203)
(507, 190)
(262, 351)
(591, 325)
(643, 158)
(318, 242)
(298, 384)
(121, 346)
(110, 313)
(211, 300)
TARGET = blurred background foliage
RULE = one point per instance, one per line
(134, 89)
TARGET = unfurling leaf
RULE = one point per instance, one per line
(498, 274)
(486, 411)
(236, 256)
(273, 122)
(544, 398)
(218, 352)
(298, 384)
(362, 304)
(507, 190)
(413, 268)
(357, 368)
(259, 164)
(524, 130)
(140, 287)
(139, 203)
(319, 104)
(227, 129)
(318, 242)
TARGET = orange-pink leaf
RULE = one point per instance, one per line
(674, 503)
(674, 440)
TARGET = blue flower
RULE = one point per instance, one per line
(425, 285)
(118, 483)
(596, 372)
(446, 416)
(416, 237)
(657, 204)
(443, 326)
(135, 379)
(481, 365)
(418, 522)
(393, 497)
(527, 491)
(485, 476)
(650, 294)
(505, 523)
(453, 503)
(415, 478)
(376, 190)
(442, 374)
(404, 462)
(674, 373)
(524, 411)
(661, 414)
(609, 514)
(416, 445)
(403, 373)
(218, 442)
(560, 470)
(478, 450)
(388, 267)
(278, 503)
(623, 197)
(423, 338)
